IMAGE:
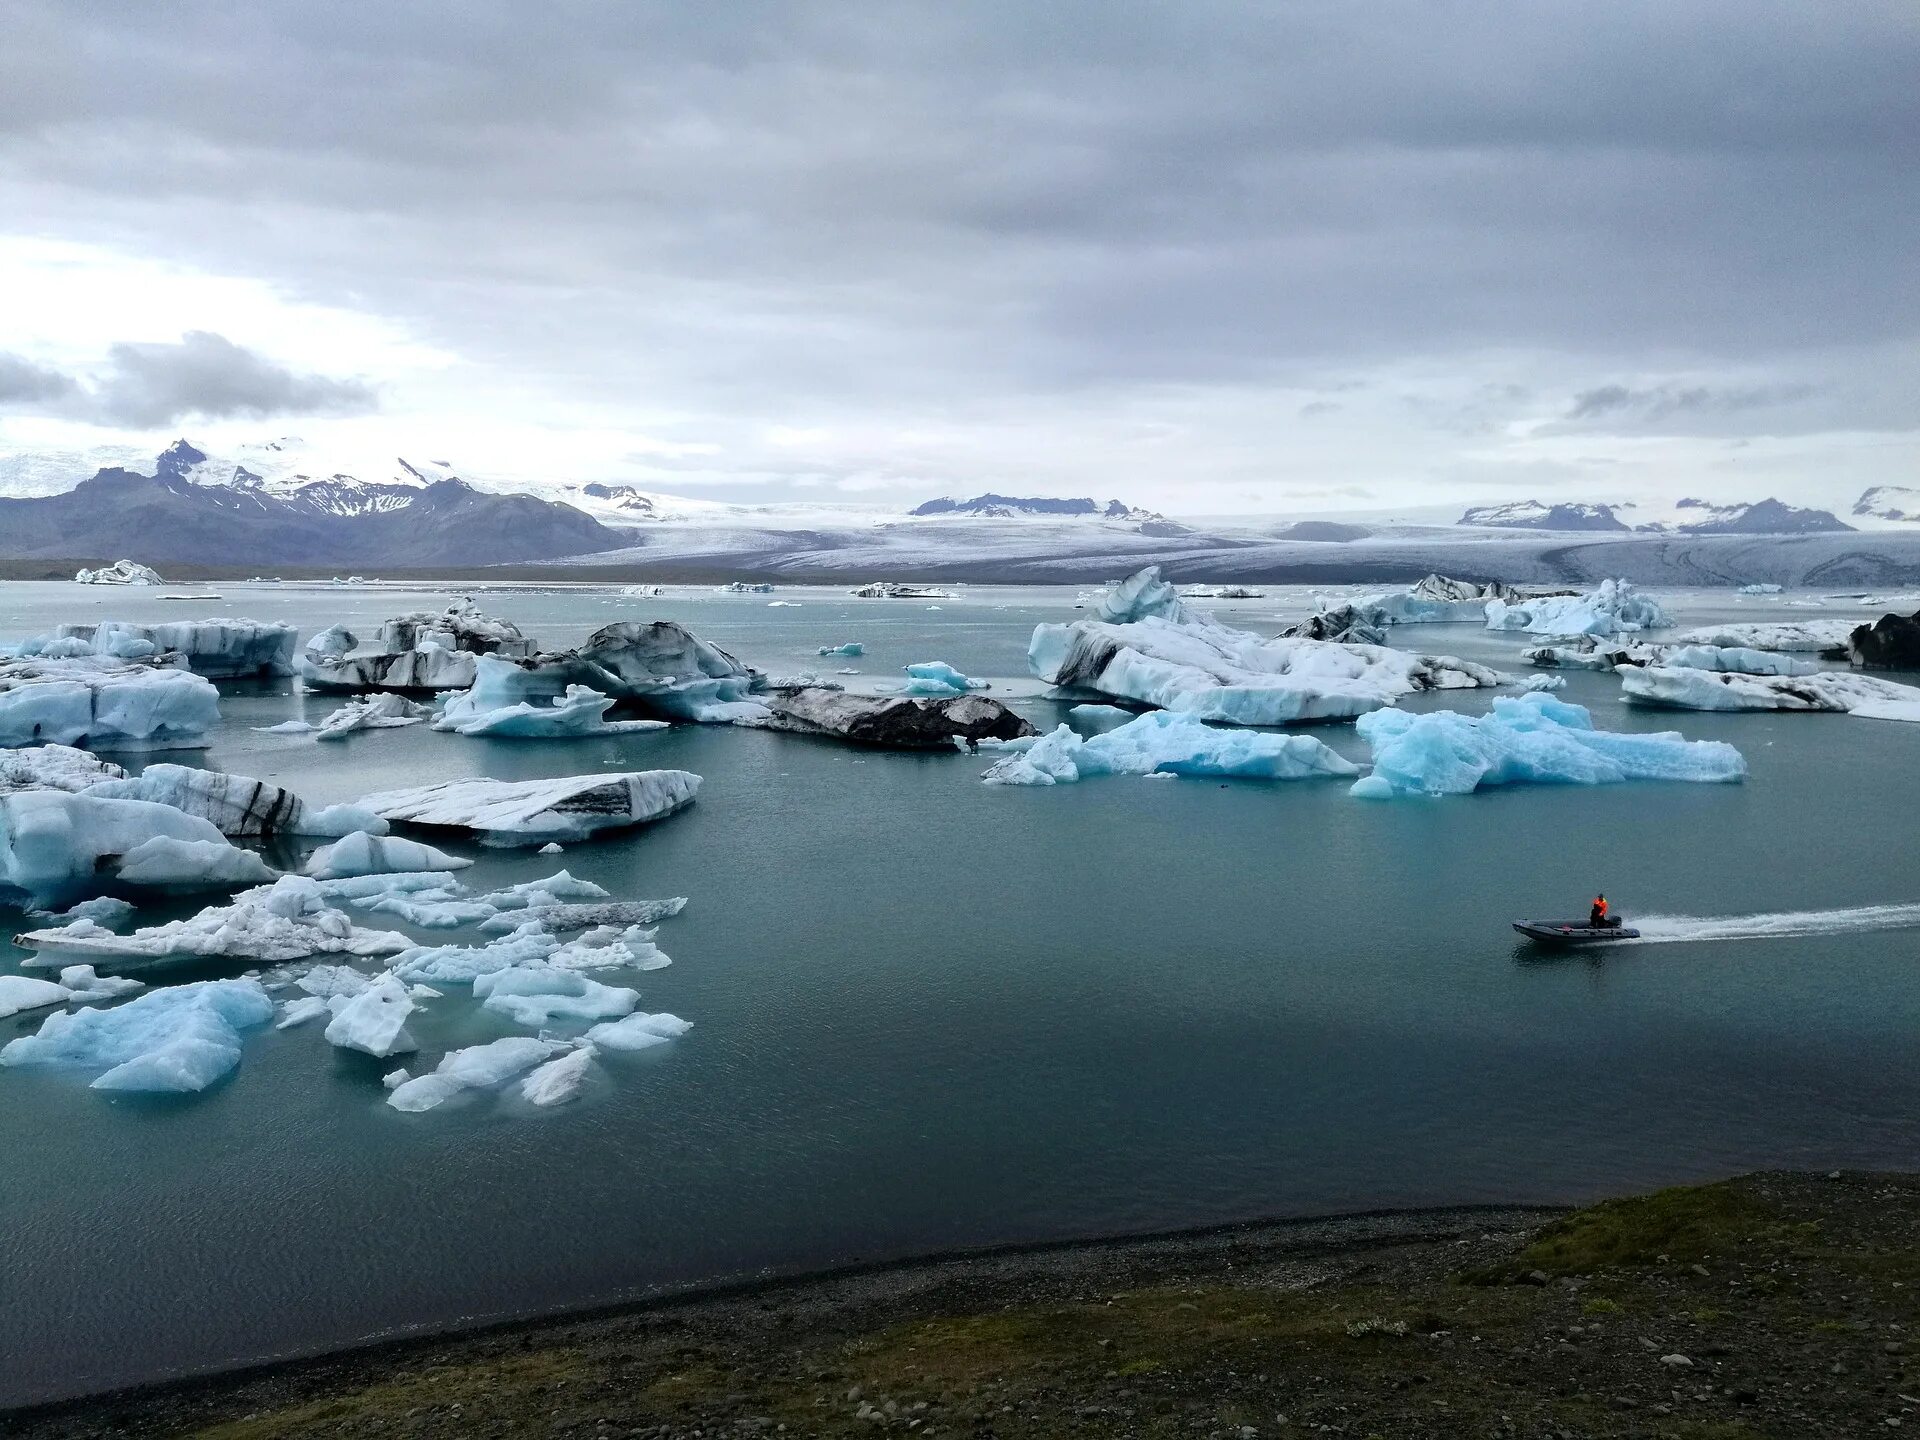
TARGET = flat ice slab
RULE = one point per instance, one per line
(1840, 691)
(1800, 637)
(533, 812)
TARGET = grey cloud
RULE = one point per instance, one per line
(1660, 401)
(208, 376)
(22, 382)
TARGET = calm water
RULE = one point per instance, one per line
(931, 1013)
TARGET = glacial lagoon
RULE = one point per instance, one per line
(931, 1014)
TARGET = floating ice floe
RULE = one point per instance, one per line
(560, 1079)
(373, 1021)
(104, 910)
(77, 985)
(1168, 743)
(1526, 740)
(638, 1031)
(388, 711)
(53, 767)
(120, 572)
(662, 667)
(1866, 696)
(893, 590)
(55, 847)
(532, 812)
(288, 920)
(852, 650)
(1545, 682)
(1615, 608)
(513, 700)
(1760, 589)
(937, 678)
(1147, 647)
(165, 863)
(104, 704)
(531, 943)
(286, 727)
(1729, 659)
(221, 649)
(365, 853)
(1798, 637)
(476, 1067)
(237, 804)
(743, 587)
(894, 721)
(535, 995)
(178, 1039)
(1436, 600)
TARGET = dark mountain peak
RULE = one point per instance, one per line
(1003, 506)
(176, 460)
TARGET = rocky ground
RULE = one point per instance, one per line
(1774, 1305)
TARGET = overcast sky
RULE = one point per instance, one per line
(1206, 257)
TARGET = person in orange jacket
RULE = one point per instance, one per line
(1597, 916)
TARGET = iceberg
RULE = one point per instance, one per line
(559, 1080)
(237, 805)
(165, 863)
(25, 992)
(852, 650)
(103, 704)
(1545, 682)
(374, 1021)
(101, 910)
(1615, 608)
(84, 987)
(387, 711)
(476, 1067)
(1149, 648)
(1171, 743)
(937, 678)
(220, 649)
(1436, 600)
(178, 1039)
(120, 572)
(55, 846)
(1837, 691)
(894, 590)
(1824, 637)
(1760, 589)
(298, 1012)
(899, 722)
(463, 964)
(53, 767)
(535, 995)
(1529, 739)
(662, 667)
(532, 812)
(421, 651)
(638, 1031)
(286, 921)
(502, 701)
(1731, 659)
(362, 853)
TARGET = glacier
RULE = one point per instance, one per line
(1171, 743)
(532, 812)
(104, 704)
(178, 1039)
(1840, 691)
(1527, 739)
(1146, 646)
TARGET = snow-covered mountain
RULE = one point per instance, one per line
(1896, 503)
(1689, 516)
(1007, 507)
(1532, 515)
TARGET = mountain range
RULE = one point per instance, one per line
(1689, 516)
(1006, 507)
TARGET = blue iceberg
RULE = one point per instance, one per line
(1167, 743)
(179, 1039)
(1530, 739)
(939, 679)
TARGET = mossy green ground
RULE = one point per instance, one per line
(1767, 1306)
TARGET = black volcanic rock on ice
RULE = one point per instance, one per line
(897, 722)
(165, 517)
(1890, 643)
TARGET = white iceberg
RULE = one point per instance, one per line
(1527, 740)
(1169, 743)
(532, 812)
(220, 649)
(1732, 659)
(288, 920)
(389, 711)
(374, 1021)
(852, 650)
(1795, 637)
(1147, 647)
(103, 704)
(120, 572)
(1838, 691)
(476, 1067)
(1760, 589)
(638, 1031)
(300, 1011)
(1545, 682)
(364, 853)
(53, 767)
(106, 910)
(535, 995)
(511, 700)
(1436, 600)
(180, 1038)
(165, 863)
(560, 1079)
(26, 992)
(1615, 608)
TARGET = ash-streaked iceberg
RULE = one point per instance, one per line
(104, 704)
(532, 812)
(897, 722)
(53, 767)
(1169, 743)
(1615, 608)
(178, 1039)
(1147, 647)
(238, 805)
(421, 651)
(1529, 739)
(1838, 691)
(120, 572)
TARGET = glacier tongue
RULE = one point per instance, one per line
(1150, 648)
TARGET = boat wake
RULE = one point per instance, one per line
(1673, 929)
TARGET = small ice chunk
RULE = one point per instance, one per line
(534, 995)
(476, 1066)
(937, 678)
(394, 1079)
(852, 650)
(374, 1021)
(638, 1031)
(103, 910)
(362, 853)
(550, 848)
(286, 727)
(24, 992)
(166, 863)
(560, 1079)
(85, 987)
(298, 1012)
(1546, 682)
